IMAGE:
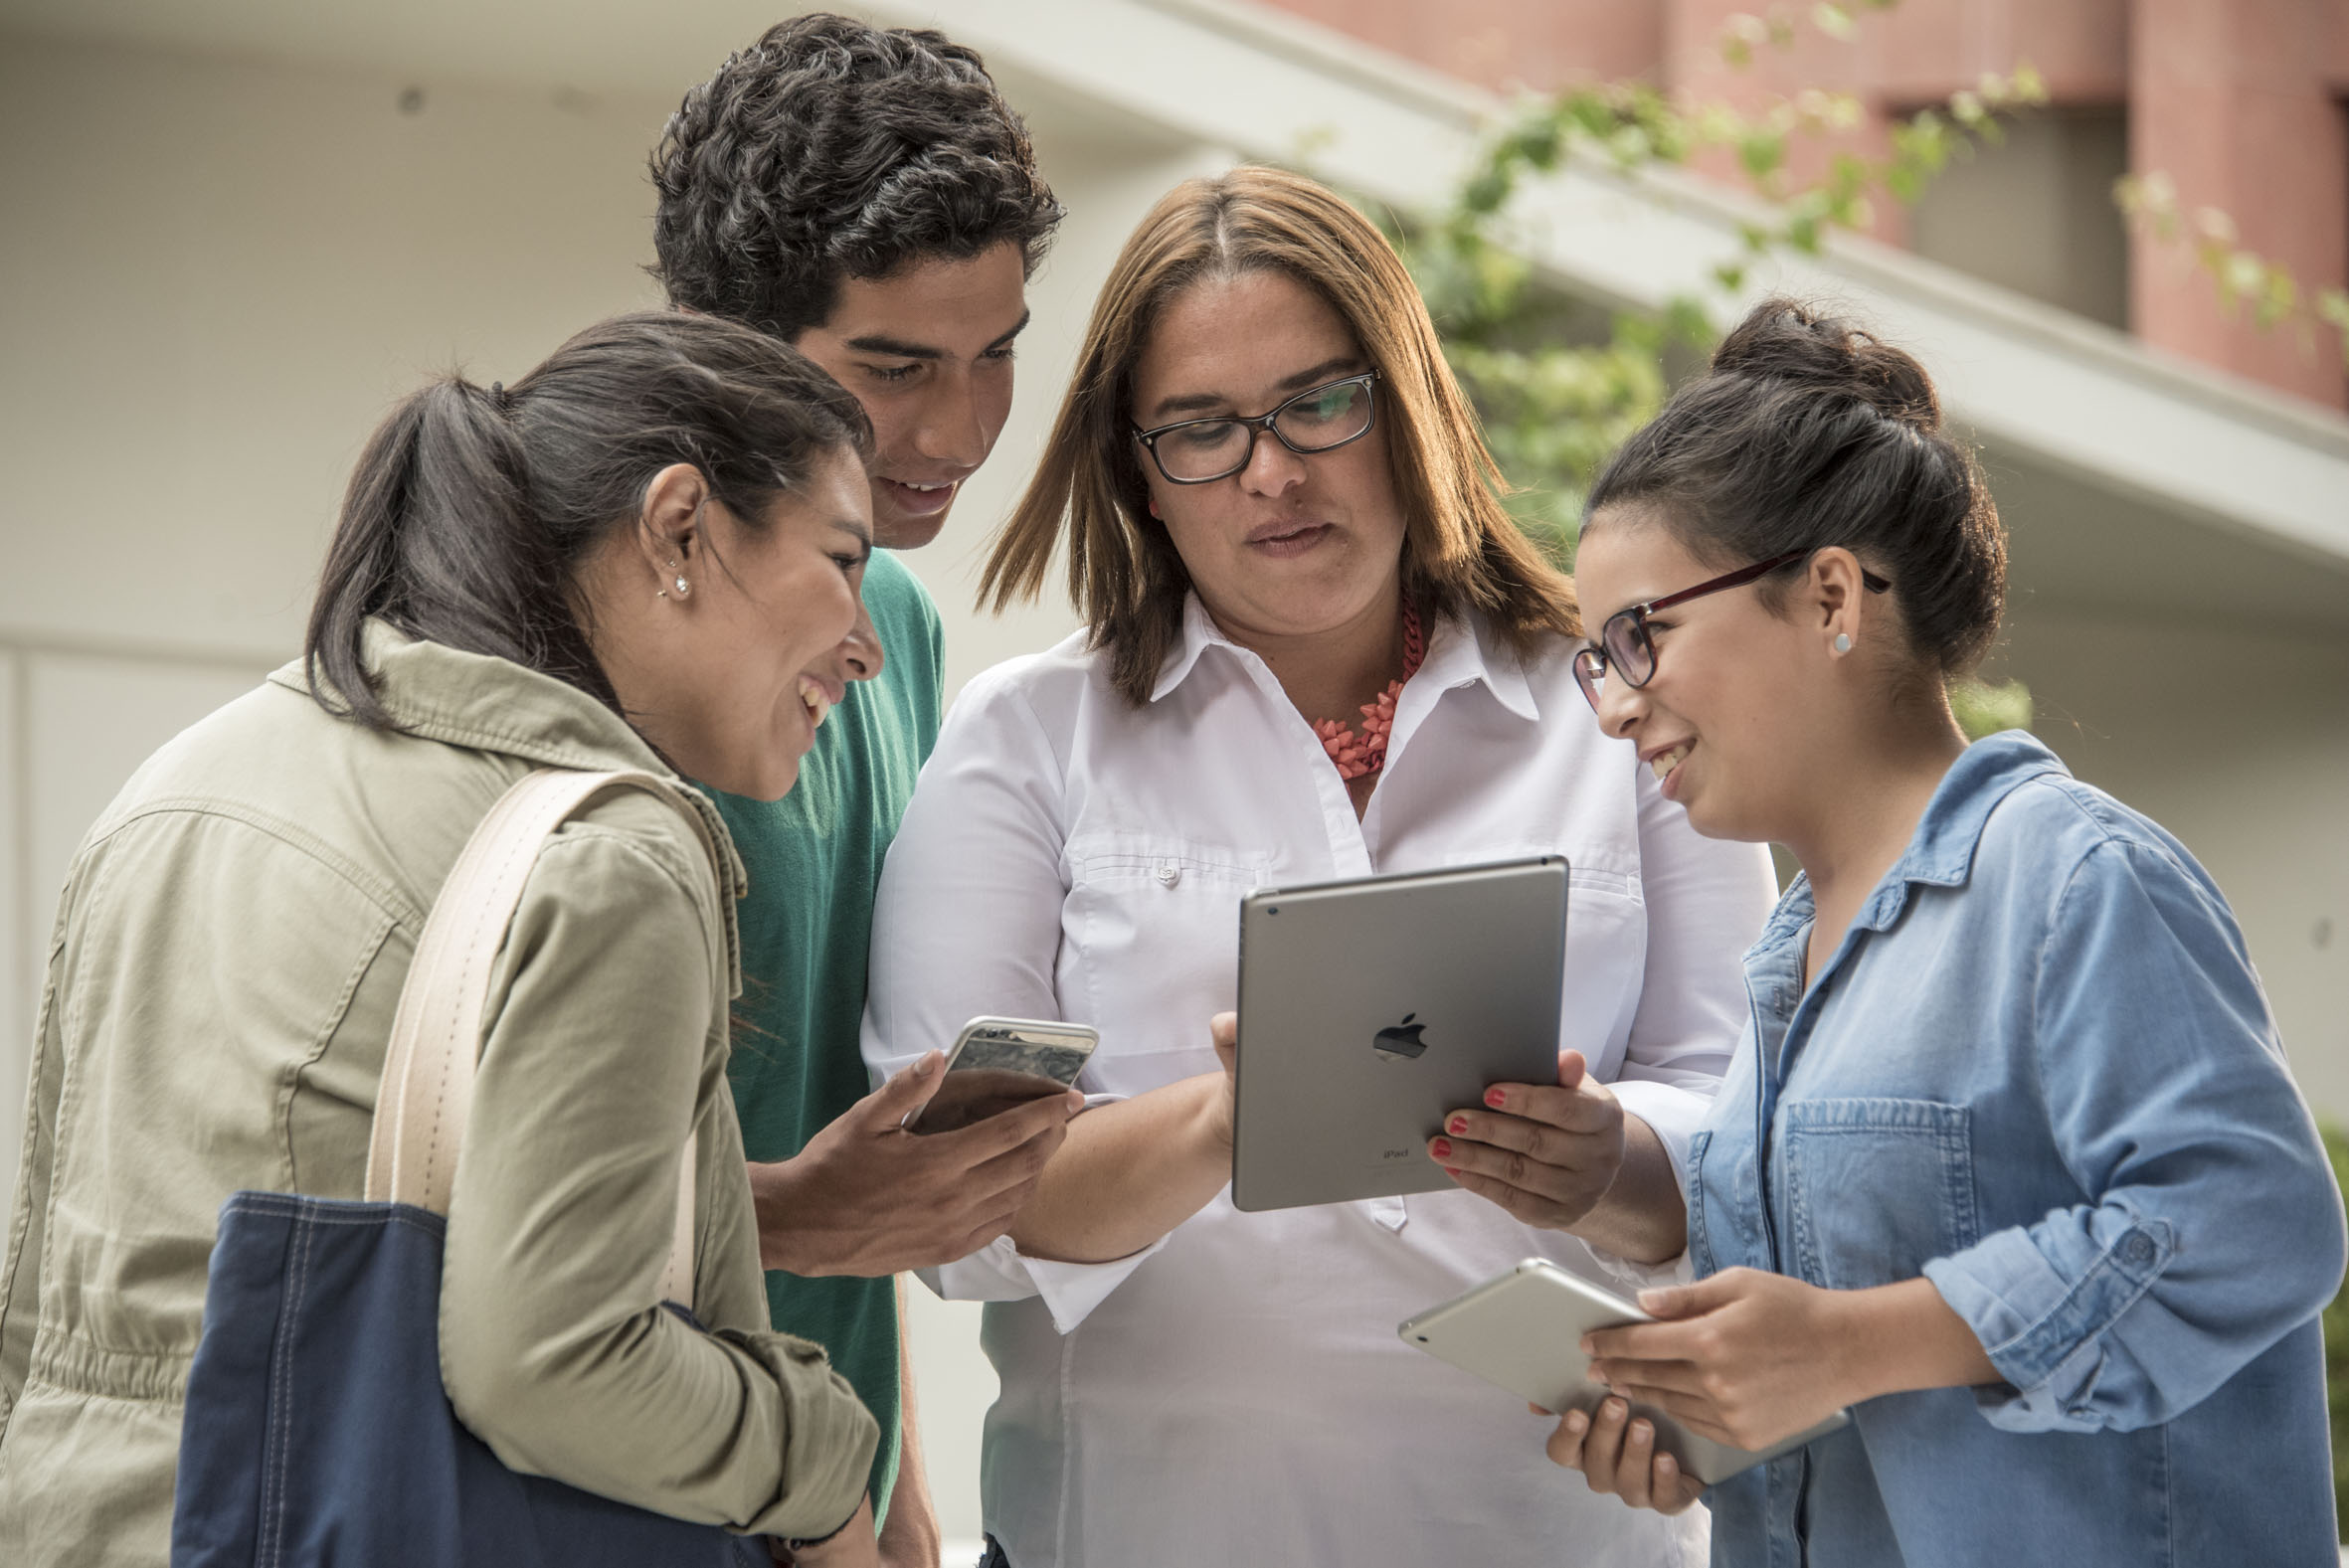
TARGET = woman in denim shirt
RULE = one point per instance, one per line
(2009, 1160)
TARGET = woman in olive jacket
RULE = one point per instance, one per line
(644, 555)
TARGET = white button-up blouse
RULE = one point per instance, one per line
(1236, 1393)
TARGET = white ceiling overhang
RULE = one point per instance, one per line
(2187, 490)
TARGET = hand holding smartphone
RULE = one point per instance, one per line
(998, 1063)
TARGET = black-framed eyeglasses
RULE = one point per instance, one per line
(1624, 644)
(1319, 418)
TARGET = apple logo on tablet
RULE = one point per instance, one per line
(1400, 1042)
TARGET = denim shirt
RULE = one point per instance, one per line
(2039, 1071)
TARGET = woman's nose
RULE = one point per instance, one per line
(1620, 706)
(859, 653)
(1272, 467)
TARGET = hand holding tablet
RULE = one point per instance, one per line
(1526, 1331)
(1544, 1152)
(1616, 1452)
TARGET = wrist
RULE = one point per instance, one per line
(1213, 1117)
(1848, 1330)
(775, 1200)
(1896, 1338)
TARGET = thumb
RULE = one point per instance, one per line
(1223, 1031)
(1688, 1301)
(906, 1090)
(1572, 1065)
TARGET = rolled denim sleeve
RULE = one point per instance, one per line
(2214, 1226)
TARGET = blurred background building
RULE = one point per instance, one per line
(237, 231)
(2241, 102)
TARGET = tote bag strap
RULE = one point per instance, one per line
(427, 1089)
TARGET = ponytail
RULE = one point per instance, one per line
(471, 510)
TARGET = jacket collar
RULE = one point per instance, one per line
(490, 703)
(1459, 653)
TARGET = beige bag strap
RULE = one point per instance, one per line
(427, 1090)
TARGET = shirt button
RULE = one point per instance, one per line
(2139, 1249)
(1170, 875)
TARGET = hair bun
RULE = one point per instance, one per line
(1787, 340)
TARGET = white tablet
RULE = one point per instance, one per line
(1521, 1332)
(1371, 1008)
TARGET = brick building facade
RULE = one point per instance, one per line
(2243, 103)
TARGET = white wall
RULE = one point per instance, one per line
(218, 274)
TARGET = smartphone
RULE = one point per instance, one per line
(1521, 1332)
(998, 1063)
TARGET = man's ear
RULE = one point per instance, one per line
(669, 524)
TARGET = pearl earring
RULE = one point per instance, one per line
(1843, 640)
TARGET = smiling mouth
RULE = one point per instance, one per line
(1666, 766)
(817, 701)
(920, 500)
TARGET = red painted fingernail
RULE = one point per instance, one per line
(1443, 1148)
(1457, 1124)
(1453, 1172)
(1496, 1099)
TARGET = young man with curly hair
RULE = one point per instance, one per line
(867, 196)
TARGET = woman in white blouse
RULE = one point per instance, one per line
(1318, 649)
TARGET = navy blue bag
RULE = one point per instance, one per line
(316, 1431)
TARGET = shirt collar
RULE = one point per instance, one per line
(1942, 850)
(1459, 653)
(1199, 634)
(1940, 853)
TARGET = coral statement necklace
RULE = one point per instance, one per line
(1359, 754)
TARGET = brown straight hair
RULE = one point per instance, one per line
(1462, 552)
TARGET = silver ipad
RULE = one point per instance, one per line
(1371, 1008)
(1520, 1331)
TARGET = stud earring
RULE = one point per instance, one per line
(1843, 640)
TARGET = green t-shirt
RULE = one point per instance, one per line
(814, 862)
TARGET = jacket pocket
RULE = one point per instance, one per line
(1876, 1188)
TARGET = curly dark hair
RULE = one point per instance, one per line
(831, 149)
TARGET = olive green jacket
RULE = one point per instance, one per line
(228, 953)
